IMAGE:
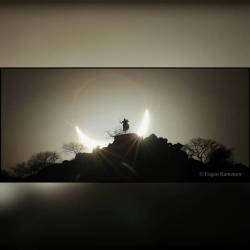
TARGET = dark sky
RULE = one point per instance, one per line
(40, 107)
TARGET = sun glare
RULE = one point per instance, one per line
(144, 125)
(89, 143)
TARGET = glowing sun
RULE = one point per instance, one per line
(91, 144)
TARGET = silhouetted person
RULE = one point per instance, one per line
(125, 125)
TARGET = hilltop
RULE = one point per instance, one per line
(131, 158)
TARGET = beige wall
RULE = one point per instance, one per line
(125, 35)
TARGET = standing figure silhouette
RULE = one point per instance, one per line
(125, 125)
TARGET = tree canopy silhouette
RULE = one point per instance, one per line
(37, 162)
(207, 150)
(43, 158)
(73, 147)
(221, 155)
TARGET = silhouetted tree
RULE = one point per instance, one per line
(73, 147)
(132, 158)
(42, 159)
(37, 162)
(202, 149)
(221, 155)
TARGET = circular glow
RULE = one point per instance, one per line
(145, 124)
(91, 144)
(88, 142)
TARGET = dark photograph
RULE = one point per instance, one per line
(125, 125)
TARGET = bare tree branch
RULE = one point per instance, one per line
(73, 147)
(206, 150)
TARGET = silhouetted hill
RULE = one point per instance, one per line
(131, 158)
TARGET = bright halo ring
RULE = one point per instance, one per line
(88, 142)
(91, 144)
(143, 129)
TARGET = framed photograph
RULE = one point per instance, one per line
(124, 124)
